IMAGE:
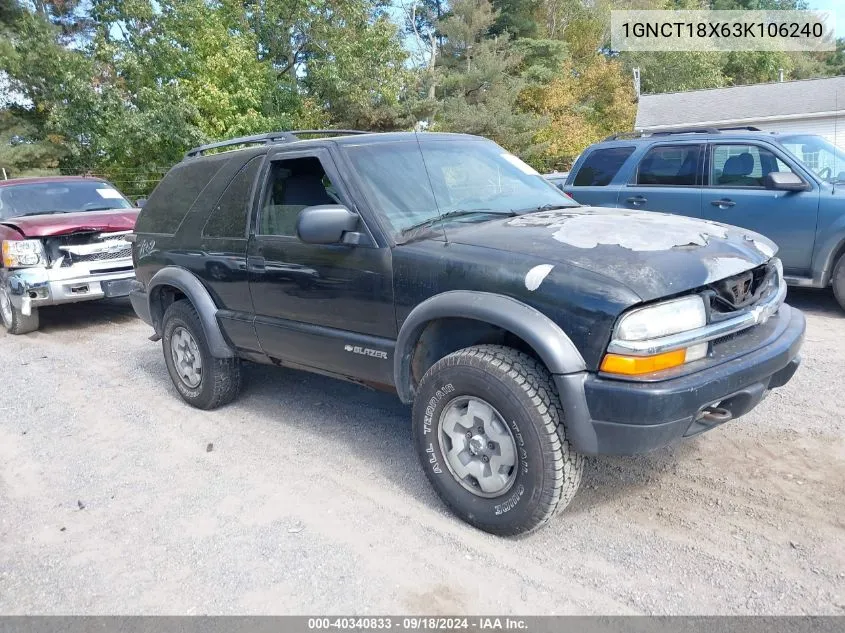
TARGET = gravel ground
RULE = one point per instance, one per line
(305, 497)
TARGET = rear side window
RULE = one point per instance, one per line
(229, 217)
(174, 196)
(672, 165)
(601, 166)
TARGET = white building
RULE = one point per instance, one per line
(813, 106)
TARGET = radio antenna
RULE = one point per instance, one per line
(430, 182)
(835, 137)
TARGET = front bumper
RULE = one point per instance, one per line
(622, 417)
(34, 287)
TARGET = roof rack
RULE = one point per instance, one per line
(622, 135)
(266, 139)
(749, 128)
(686, 130)
(681, 130)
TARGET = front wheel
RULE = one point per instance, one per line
(15, 321)
(488, 429)
(838, 281)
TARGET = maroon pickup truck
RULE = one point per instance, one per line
(63, 240)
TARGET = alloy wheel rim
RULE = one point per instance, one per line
(186, 357)
(479, 448)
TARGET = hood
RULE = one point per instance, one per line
(653, 254)
(64, 223)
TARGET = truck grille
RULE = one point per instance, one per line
(99, 257)
(738, 292)
(88, 247)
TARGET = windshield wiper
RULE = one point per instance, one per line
(546, 207)
(454, 214)
(50, 212)
(99, 209)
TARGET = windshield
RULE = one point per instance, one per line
(822, 157)
(61, 196)
(470, 180)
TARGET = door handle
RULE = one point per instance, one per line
(637, 200)
(724, 203)
(255, 263)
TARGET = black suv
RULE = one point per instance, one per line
(526, 330)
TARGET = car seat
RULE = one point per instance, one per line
(291, 193)
(737, 171)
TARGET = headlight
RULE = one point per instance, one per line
(655, 322)
(662, 319)
(23, 253)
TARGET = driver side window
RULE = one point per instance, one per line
(743, 166)
(292, 185)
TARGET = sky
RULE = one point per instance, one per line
(838, 7)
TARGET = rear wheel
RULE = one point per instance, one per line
(15, 321)
(489, 432)
(838, 281)
(201, 379)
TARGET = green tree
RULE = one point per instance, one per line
(673, 72)
(357, 71)
(24, 149)
(479, 83)
(581, 106)
(517, 18)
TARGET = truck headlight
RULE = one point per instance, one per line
(655, 322)
(23, 253)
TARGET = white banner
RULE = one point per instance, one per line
(723, 30)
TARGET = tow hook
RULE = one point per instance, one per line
(714, 414)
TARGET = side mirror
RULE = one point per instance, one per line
(785, 181)
(327, 224)
(140, 202)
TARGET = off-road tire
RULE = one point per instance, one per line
(521, 390)
(16, 322)
(221, 377)
(838, 281)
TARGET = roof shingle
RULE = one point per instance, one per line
(741, 103)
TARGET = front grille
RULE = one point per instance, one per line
(756, 286)
(98, 257)
(731, 337)
(87, 247)
(738, 292)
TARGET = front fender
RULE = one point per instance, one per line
(193, 289)
(543, 335)
(825, 257)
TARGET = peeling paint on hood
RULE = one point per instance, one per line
(634, 231)
(536, 276)
(653, 254)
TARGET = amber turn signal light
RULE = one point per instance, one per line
(636, 365)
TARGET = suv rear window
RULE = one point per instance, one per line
(601, 166)
(174, 196)
(229, 216)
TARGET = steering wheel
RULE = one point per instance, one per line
(825, 173)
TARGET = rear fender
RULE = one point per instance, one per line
(197, 294)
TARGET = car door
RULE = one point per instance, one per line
(321, 306)
(593, 179)
(668, 178)
(735, 193)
